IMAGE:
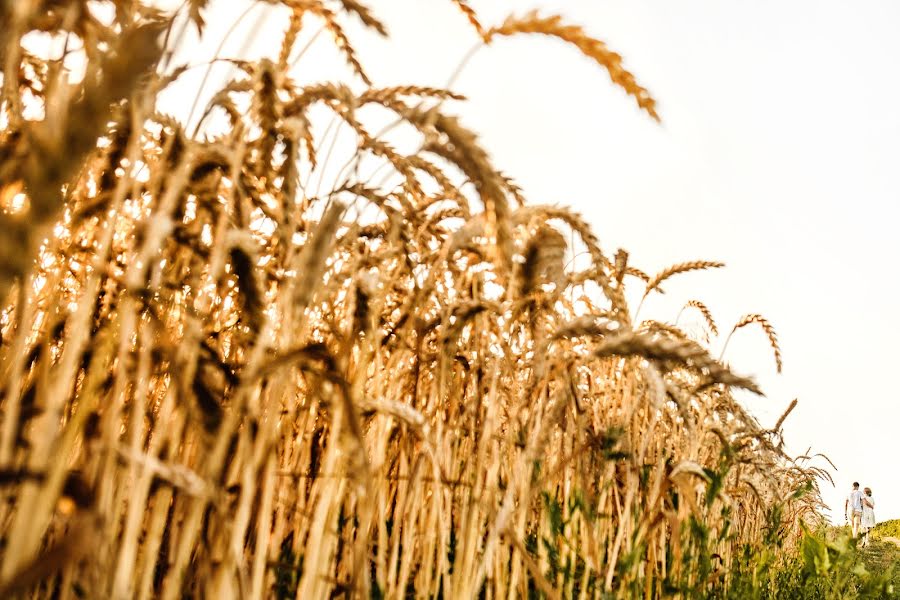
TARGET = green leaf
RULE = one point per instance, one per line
(554, 511)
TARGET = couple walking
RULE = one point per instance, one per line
(859, 510)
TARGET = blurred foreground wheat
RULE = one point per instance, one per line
(219, 381)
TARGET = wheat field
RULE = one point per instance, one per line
(223, 377)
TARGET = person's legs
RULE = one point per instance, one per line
(854, 523)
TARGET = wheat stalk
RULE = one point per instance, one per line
(677, 269)
(767, 328)
(707, 314)
(227, 378)
(596, 50)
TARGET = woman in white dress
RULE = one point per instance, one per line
(868, 515)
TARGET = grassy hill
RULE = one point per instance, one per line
(884, 551)
(887, 529)
(881, 556)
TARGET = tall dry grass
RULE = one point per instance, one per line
(220, 382)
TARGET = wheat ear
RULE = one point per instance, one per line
(770, 333)
(683, 351)
(594, 49)
(677, 269)
(707, 315)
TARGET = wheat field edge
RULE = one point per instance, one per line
(224, 378)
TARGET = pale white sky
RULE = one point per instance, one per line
(779, 154)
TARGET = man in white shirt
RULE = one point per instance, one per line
(853, 509)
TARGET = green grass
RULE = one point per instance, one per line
(829, 565)
(883, 557)
(887, 529)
